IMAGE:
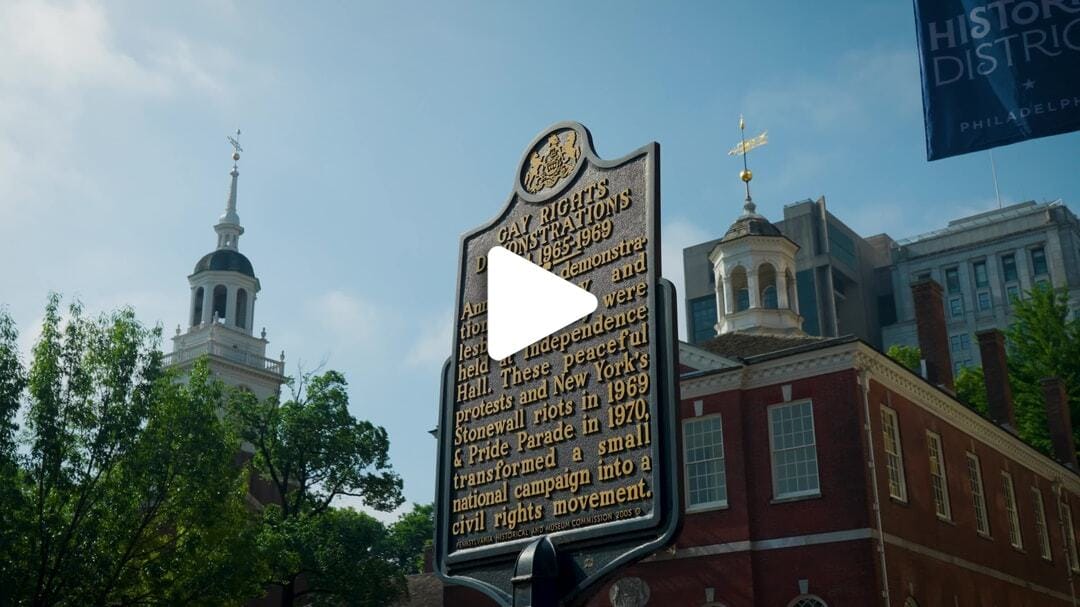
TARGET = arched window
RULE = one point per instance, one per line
(241, 308)
(196, 307)
(768, 298)
(807, 600)
(740, 288)
(220, 294)
(767, 284)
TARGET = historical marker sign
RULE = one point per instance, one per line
(572, 438)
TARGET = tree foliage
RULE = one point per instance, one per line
(1043, 341)
(311, 451)
(971, 389)
(411, 535)
(120, 488)
(909, 356)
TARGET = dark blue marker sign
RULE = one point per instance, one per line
(997, 71)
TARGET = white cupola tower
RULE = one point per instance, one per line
(754, 268)
(221, 313)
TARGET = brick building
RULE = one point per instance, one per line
(819, 472)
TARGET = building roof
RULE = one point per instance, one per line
(740, 345)
(425, 590)
(225, 260)
(751, 225)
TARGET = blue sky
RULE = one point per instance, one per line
(376, 133)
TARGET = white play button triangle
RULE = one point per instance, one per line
(526, 303)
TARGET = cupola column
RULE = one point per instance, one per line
(207, 304)
(782, 290)
(729, 298)
(752, 282)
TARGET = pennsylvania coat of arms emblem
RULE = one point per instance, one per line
(553, 162)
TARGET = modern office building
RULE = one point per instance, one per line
(983, 262)
(841, 287)
(851, 285)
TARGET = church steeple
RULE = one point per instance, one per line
(228, 227)
(222, 309)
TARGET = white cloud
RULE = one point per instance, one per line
(348, 318)
(55, 57)
(433, 346)
(676, 235)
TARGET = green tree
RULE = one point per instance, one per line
(909, 356)
(311, 450)
(1043, 341)
(971, 389)
(125, 491)
(410, 536)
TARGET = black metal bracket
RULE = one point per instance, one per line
(536, 575)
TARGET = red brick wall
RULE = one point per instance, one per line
(936, 581)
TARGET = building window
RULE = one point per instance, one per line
(922, 276)
(939, 484)
(706, 481)
(981, 278)
(703, 318)
(1038, 261)
(768, 298)
(241, 308)
(1016, 539)
(740, 287)
(1040, 523)
(196, 307)
(1013, 293)
(978, 496)
(956, 306)
(960, 343)
(894, 456)
(220, 294)
(1071, 540)
(952, 280)
(1008, 267)
(984, 301)
(794, 450)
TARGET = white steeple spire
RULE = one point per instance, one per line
(228, 227)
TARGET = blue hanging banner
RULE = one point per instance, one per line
(997, 71)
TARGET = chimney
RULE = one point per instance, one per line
(933, 337)
(996, 376)
(1059, 421)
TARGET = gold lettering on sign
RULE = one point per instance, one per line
(559, 435)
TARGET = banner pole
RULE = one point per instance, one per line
(993, 171)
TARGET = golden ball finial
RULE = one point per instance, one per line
(236, 156)
(746, 175)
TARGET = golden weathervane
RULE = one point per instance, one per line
(743, 149)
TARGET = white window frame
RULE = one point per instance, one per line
(933, 443)
(1012, 511)
(1042, 532)
(686, 465)
(978, 495)
(1070, 542)
(793, 495)
(894, 456)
